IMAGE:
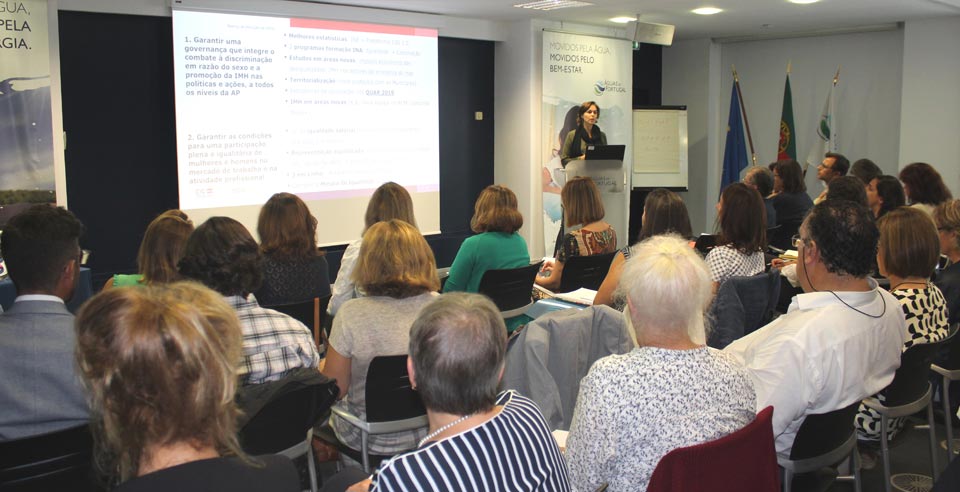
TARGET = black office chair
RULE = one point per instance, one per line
(282, 415)
(391, 406)
(781, 236)
(510, 289)
(60, 460)
(823, 440)
(908, 393)
(311, 313)
(585, 271)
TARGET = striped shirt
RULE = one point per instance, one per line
(513, 451)
(273, 343)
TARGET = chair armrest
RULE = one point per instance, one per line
(874, 404)
(951, 374)
(350, 418)
(901, 410)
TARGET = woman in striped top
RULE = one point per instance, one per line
(479, 440)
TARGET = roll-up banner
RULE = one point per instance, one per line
(26, 123)
(579, 68)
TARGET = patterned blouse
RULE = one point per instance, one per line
(925, 311)
(636, 407)
(587, 243)
(725, 262)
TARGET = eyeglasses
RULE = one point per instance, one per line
(796, 241)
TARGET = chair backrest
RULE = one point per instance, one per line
(389, 395)
(311, 313)
(60, 460)
(949, 357)
(824, 432)
(509, 288)
(780, 238)
(910, 381)
(295, 404)
(742, 305)
(585, 271)
(744, 460)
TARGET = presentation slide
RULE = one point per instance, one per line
(327, 110)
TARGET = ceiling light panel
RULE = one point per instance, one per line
(707, 11)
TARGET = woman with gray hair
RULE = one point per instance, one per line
(671, 391)
(479, 440)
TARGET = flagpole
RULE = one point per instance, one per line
(743, 110)
(834, 124)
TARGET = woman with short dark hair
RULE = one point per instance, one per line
(160, 366)
(790, 199)
(398, 275)
(743, 234)
(479, 440)
(294, 270)
(907, 253)
(923, 186)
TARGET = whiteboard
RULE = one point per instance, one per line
(659, 148)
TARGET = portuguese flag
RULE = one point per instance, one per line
(787, 149)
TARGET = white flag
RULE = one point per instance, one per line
(825, 139)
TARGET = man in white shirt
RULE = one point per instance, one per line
(40, 391)
(833, 166)
(840, 340)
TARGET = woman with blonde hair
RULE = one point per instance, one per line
(294, 270)
(582, 206)
(907, 255)
(160, 365)
(161, 249)
(398, 274)
(389, 201)
(947, 219)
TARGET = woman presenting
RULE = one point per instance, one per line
(586, 133)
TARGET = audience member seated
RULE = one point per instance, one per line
(581, 206)
(947, 219)
(908, 252)
(496, 246)
(39, 388)
(790, 198)
(884, 193)
(671, 391)
(833, 166)
(923, 186)
(160, 250)
(663, 213)
(865, 170)
(160, 364)
(840, 340)
(847, 188)
(743, 235)
(389, 201)
(222, 255)
(398, 276)
(479, 440)
(761, 179)
(293, 269)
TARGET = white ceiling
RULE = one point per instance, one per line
(739, 18)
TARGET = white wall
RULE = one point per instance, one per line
(930, 115)
(698, 73)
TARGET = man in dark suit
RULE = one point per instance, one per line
(39, 389)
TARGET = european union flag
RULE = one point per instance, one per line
(735, 150)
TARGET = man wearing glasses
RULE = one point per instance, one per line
(840, 339)
(833, 166)
(39, 390)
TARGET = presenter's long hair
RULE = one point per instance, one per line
(159, 364)
(162, 247)
(287, 228)
(581, 201)
(389, 201)
(496, 211)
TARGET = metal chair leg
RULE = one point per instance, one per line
(311, 467)
(885, 452)
(933, 441)
(947, 416)
(855, 459)
(787, 480)
(363, 451)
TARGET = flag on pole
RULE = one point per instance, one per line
(787, 149)
(825, 139)
(735, 151)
